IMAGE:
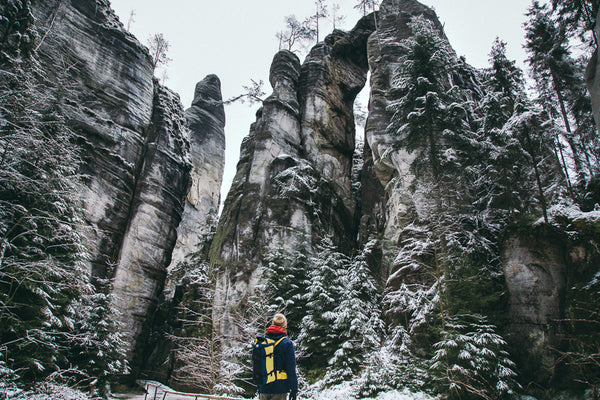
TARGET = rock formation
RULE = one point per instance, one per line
(153, 174)
(157, 206)
(205, 120)
(535, 273)
(592, 77)
(389, 166)
(294, 177)
(274, 139)
(135, 149)
(293, 180)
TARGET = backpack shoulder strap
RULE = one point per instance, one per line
(277, 342)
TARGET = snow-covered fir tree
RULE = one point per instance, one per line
(558, 83)
(357, 319)
(471, 361)
(318, 339)
(286, 282)
(579, 16)
(498, 190)
(449, 253)
(561, 91)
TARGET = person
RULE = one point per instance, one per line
(284, 360)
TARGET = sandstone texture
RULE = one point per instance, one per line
(205, 120)
(158, 205)
(390, 166)
(135, 147)
(592, 77)
(535, 271)
(273, 139)
(294, 176)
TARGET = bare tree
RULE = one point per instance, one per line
(131, 19)
(253, 93)
(366, 6)
(204, 359)
(159, 47)
(296, 34)
(336, 17)
(320, 13)
(164, 76)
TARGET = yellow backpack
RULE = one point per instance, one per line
(263, 361)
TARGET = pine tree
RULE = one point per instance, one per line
(531, 129)
(430, 113)
(391, 368)
(559, 82)
(472, 359)
(357, 319)
(579, 15)
(317, 339)
(366, 6)
(321, 12)
(498, 187)
(286, 282)
(94, 345)
(517, 142)
(41, 246)
(505, 78)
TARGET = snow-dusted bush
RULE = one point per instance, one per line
(472, 358)
(49, 391)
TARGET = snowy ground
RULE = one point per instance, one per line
(156, 391)
(341, 392)
(344, 392)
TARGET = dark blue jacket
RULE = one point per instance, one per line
(285, 360)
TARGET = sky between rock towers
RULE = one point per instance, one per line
(236, 40)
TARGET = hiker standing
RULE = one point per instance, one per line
(285, 364)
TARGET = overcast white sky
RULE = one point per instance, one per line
(235, 39)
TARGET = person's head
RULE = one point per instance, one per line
(280, 320)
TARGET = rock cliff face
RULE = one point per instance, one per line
(274, 140)
(157, 206)
(294, 178)
(391, 168)
(535, 272)
(205, 120)
(135, 147)
(293, 181)
(592, 77)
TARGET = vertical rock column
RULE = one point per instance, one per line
(109, 103)
(236, 248)
(390, 166)
(205, 120)
(332, 75)
(155, 213)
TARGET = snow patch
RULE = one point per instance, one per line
(346, 391)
